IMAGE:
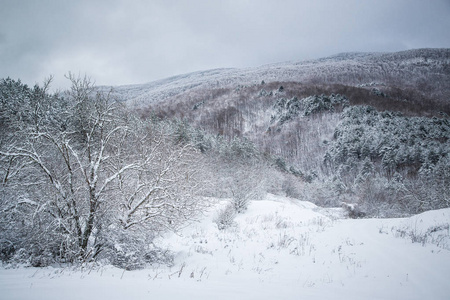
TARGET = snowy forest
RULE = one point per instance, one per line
(88, 175)
(84, 179)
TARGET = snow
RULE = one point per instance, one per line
(428, 227)
(280, 248)
(423, 222)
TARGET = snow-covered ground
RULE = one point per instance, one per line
(279, 248)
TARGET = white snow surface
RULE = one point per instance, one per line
(280, 248)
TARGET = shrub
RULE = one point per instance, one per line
(225, 217)
(353, 210)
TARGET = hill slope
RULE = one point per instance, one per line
(293, 113)
(428, 68)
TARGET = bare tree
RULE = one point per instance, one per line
(164, 188)
(96, 167)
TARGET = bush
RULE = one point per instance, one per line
(7, 250)
(353, 211)
(134, 254)
(159, 256)
(128, 260)
(225, 217)
(290, 187)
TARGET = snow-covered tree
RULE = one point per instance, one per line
(82, 166)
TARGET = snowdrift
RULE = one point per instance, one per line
(279, 248)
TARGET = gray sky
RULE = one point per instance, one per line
(135, 41)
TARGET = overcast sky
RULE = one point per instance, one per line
(119, 42)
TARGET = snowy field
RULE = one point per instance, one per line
(278, 249)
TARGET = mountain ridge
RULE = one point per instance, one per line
(353, 68)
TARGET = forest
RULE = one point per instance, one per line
(87, 177)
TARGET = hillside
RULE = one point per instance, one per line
(294, 113)
(423, 69)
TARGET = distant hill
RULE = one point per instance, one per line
(425, 70)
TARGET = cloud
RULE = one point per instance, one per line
(122, 42)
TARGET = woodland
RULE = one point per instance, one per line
(85, 176)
